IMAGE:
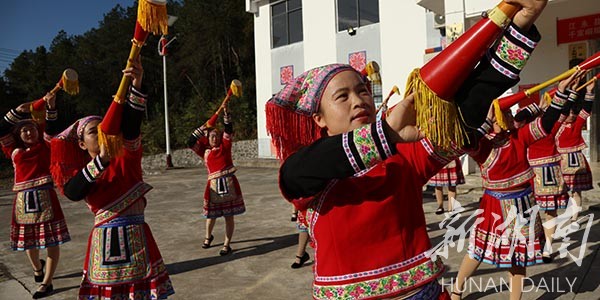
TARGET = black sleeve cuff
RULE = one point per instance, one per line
(13, 117)
(137, 99)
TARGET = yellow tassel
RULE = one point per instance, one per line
(372, 69)
(70, 82)
(547, 98)
(236, 88)
(112, 143)
(153, 17)
(71, 87)
(39, 116)
(436, 117)
(499, 115)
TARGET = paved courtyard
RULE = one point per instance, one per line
(265, 244)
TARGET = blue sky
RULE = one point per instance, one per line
(27, 24)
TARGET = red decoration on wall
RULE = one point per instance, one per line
(358, 60)
(286, 74)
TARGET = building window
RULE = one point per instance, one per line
(377, 93)
(286, 22)
(357, 13)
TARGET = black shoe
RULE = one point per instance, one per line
(207, 242)
(39, 278)
(547, 257)
(304, 258)
(439, 211)
(226, 250)
(48, 289)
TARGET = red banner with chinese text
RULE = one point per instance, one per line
(578, 29)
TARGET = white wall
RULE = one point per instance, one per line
(403, 41)
(475, 7)
(319, 25)
(285, 56)
(262, 44)
(366, 39)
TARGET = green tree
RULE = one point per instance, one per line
(214, 45)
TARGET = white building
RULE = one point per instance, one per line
(292, 36)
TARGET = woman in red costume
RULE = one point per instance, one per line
(122, 260)
(450, 176)
(37, 220)
(569, 142)
(223, 195)
(508, 233)
(360, 179)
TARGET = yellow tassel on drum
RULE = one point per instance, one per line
(71, 86)
(499, 115)
(153, 17)
(236, 88)
(112, 143)
(70, 82)
(436, 117)
(372, 69)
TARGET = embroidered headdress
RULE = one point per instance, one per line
(289, 112)
(66, 157)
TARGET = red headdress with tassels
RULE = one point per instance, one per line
(289, 112)
(66, 157)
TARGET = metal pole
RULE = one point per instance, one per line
(168, 142)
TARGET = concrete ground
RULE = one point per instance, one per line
(265, 244)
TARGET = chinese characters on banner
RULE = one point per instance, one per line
(578, 29)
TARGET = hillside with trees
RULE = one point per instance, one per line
(214, 45)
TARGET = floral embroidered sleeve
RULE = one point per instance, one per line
(496, 73)
(513, 50)
(79, 186)
(307, 172)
